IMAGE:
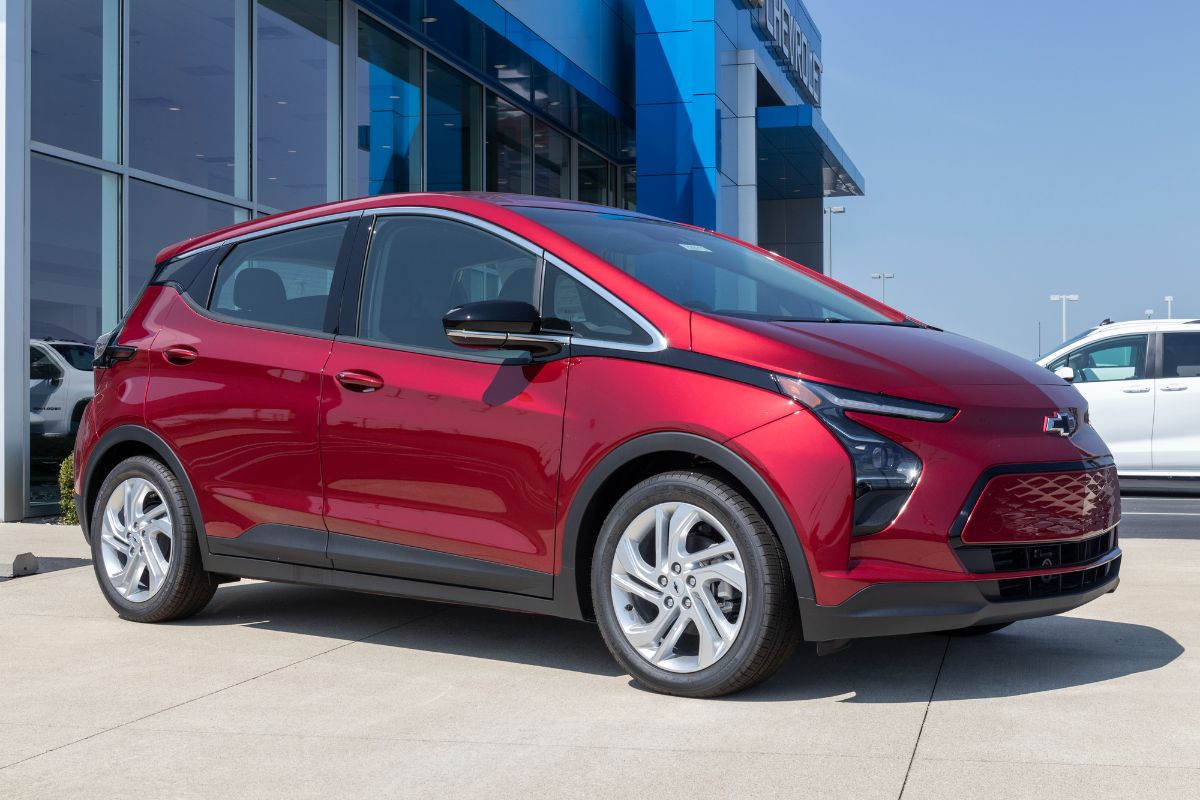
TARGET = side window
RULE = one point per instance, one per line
(1121, 358)
(418, 268)
(42, 367)
(1181, 355)
(281, 279)
(591, 316)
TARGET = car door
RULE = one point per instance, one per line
(441, 463)
(1112, 375)
(1177, 403)
(235, 391)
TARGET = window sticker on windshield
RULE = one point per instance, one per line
(697, 247)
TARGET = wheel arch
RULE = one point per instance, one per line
(125, 442)
(637, 459)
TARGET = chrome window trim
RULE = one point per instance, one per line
(303, 223)
(457, 216)
(658, 342)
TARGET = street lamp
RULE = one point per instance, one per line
(883, 278)
(1149, 313)
(1063, 298)
(1170, 299)
(830, 212)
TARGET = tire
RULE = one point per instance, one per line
(761, 625)
(162, 531)
(979, 630)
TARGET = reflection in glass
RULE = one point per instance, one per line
(629, 188)
(158, 217)
(297, 47)
(188, 79)
(72, 298)
(389, 111)
(508, 147)
(551, 161)
(595, 178)
(453, 130)
(74, 58)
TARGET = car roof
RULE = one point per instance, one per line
(432, 199)
(1107, 329)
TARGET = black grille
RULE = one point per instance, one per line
(1048, 585)
(1042, 555)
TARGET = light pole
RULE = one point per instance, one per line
(883, 278)
(1063, 298)
(830, 212)
(1149, 313)
(1170, 299)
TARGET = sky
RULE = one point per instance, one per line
(1016, 149)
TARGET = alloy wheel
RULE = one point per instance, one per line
(136, 540)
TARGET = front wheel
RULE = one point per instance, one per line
(691, 589)
(144, 544)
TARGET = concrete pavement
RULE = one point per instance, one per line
(280, 691)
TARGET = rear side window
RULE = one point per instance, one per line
(283, 279)
(1181, 355)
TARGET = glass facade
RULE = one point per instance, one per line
(150, 122)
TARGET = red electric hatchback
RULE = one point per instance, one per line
(567, 409)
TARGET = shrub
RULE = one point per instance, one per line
(66, 488)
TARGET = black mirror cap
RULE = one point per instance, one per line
(493, 316)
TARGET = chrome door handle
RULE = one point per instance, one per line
(1174, 387)
(1136, 390)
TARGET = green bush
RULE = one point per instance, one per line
(66, 488)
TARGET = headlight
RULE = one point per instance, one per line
(884, 472)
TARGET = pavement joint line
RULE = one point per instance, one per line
(1039, 763)
(222, 689)
(924, 717)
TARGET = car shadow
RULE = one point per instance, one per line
(1029, 657)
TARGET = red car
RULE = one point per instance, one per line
(567, 409)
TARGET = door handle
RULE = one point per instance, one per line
(1174, 387)
(1136, 390)
(358, 380)
(180, 354)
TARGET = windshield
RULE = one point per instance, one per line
(78, 356)
(704, 272)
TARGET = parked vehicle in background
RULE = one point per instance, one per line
(1142, 382)
(568, 409)
(60, 384)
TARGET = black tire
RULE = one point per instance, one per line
(770, 620)
(979, 630)
(187, 587)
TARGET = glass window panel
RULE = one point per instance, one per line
(418, 268)
(73, 239)
(159, 216)
(595, 180)
(1181, 355)
(629, 188)
(188, 79)
(74, 57)
(591, 316)
(389, 111)
(508, 147)
(283, 279)
(453, 129)
(551, 161)
(1119, 359)
(298, 99)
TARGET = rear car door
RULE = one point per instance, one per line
(441, 463)
(235, 386)
(1112, 374)
(1177, 403)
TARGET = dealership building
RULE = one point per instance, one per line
(132, 124)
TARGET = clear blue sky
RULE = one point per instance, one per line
(1015, 149)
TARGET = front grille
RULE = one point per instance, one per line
(1042, 555)
(1044, 506)
(1050, 585)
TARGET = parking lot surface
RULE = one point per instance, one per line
(285, 691)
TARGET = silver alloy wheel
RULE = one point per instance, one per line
(678, 587)
(136, 540)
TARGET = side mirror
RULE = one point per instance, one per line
(44, 371)
(502, 325)
(1066, 373)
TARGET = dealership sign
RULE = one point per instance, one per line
(777, 23)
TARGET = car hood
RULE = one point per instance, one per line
(916, 362)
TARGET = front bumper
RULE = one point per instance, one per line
(887, 609)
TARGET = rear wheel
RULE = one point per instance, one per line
(691, 589)
(144, 545)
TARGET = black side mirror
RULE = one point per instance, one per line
(501, 325)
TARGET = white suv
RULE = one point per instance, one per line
(60, 384)
(1142, 383)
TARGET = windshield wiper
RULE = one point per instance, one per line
(904, 323)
